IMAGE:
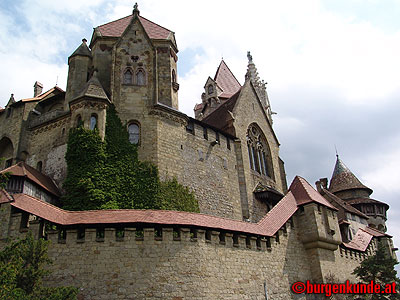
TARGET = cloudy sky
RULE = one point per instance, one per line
(332, 69)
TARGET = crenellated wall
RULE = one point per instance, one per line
(172, 263)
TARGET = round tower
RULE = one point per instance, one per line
(349, 188)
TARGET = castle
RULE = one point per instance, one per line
(254, 235)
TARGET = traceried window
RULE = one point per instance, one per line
(140, 77)
(134, 133)
(259, 153)
(128, 76)
(210, 89)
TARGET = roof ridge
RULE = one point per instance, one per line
(114, 21)
(156, 24)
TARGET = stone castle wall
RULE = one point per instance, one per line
(165, 262)
(191, 264)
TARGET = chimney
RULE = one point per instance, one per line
(37, 89)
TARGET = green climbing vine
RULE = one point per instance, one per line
(109, 175)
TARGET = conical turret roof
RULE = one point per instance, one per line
(343, 179)
(82, 50)
(93, 89)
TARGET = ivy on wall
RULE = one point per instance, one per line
(109, 175)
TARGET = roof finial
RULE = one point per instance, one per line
(337, 155)
(250, 58)
(135, 9)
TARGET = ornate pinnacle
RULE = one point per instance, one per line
(250, 58)
(135, 9)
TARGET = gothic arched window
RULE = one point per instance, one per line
(259, 152)
(140, 77)
(128, 76)
(93, 122)
(134, 133)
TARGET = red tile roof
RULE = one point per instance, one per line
(360, 241)
(43, 95)
(117, 28)
(24, 170)
(226, 80)
(305, 193)
(376, 232)
(363, 237)
(268, 226)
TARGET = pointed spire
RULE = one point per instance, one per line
(226, 80)
(11, 101)
(136, 10)
(259, 85)
(343, 179)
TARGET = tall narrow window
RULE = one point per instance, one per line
(140, 80)
(173, 76)
(79, 121)
(128, 76)
(93, 122)
(210, 89)
(133, 130)
(250, 157)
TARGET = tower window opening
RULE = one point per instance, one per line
(128, 76)
(140, 78)
(93, 122)
(173, 76)
(134, 133)
(79, 121)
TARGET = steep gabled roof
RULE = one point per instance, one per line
(24, 170)
(226, 80)
(116, 28)
(343, 179)
(305, 193)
